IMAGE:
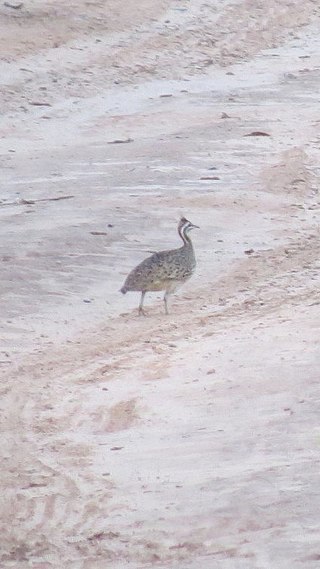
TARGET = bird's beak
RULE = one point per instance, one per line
(194, 226)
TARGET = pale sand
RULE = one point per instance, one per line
(182, 442)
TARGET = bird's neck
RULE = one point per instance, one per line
(185, 237)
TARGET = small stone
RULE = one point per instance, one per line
(257, 133)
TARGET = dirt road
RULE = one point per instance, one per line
(189, 441)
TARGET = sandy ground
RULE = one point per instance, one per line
(189, 441)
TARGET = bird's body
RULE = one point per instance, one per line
(165, 270)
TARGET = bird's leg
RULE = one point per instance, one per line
(141, 311)
(165, 299)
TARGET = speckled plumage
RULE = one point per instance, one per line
(165, 270)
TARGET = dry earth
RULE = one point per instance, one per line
(184, 442)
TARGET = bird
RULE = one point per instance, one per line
(164, 270)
